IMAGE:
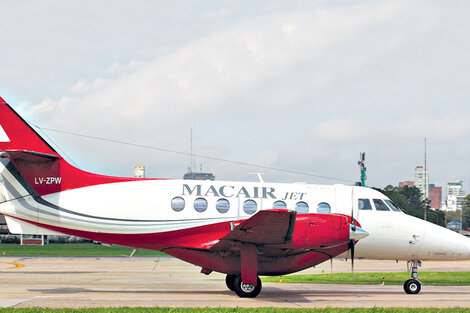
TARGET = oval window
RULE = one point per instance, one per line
(222, 205)
(177, 204)
(301, 207)
(200, 204)
(280, 205)
(249, 206)
(324, 208)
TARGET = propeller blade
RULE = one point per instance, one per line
(352, 258)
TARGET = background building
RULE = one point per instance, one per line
(435, 196)
(421, 180)
(408, 183)
(198, 176)
(453, 225)
(139, 171)
(454, 195)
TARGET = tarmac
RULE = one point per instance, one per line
(77, 282)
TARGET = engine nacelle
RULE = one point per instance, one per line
(320, 230)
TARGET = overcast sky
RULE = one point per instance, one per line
(298, 85)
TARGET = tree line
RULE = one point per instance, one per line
(409, 199)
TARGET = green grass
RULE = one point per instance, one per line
(72, 249)
(240, 310)
(391, 278)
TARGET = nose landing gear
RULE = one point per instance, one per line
(234, 283)
(413, 285)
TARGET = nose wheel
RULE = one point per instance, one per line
(234, 283)
(413, 285)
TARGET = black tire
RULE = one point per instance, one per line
(245, 291)
(230, 281)
(412, 286)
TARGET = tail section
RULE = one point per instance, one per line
(28, 160)
(16, 134)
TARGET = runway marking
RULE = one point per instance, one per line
(15, 265)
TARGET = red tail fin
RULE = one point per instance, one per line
(36, 164)
(16, 134)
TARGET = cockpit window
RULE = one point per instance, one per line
(380, 205)
(392, 206)
(364, 204)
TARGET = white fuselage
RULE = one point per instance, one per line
(154, 206)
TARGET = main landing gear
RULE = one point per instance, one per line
(234, 283)
(413, 285)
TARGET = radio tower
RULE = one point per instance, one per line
(426, 184)
(361, 163)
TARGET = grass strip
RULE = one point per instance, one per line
(73, 249)
(391, 278)
(238, 310)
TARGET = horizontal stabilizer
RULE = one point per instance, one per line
(28, 155)
(19, 227)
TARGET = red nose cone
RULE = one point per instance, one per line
(1, 100)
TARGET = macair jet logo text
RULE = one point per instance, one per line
(3, 135)
(47, 180)
(228, 191)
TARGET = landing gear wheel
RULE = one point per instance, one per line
(246, 290)
(230, 281)
(412, 286)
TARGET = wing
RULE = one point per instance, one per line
(269, 227)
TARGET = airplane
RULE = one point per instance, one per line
(242, 229)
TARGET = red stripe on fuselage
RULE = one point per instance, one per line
(200, 237)
(192, 245)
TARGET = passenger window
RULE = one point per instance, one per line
(301, 207)
(280, 205)
(364, 204)
(177, 204)
(380, 205)
(323, 208)
(392, 206)
(249, 206)
(222, 205)
(200, 204)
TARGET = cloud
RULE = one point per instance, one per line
(298, 85)
(352, 128)
(202, 78)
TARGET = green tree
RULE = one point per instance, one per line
(466, 212)
(409, 200)
(453, 216)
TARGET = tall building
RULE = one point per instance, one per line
(455, 194)
(435, 196)
(408, 183)
(450, 203)
(421, 180)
